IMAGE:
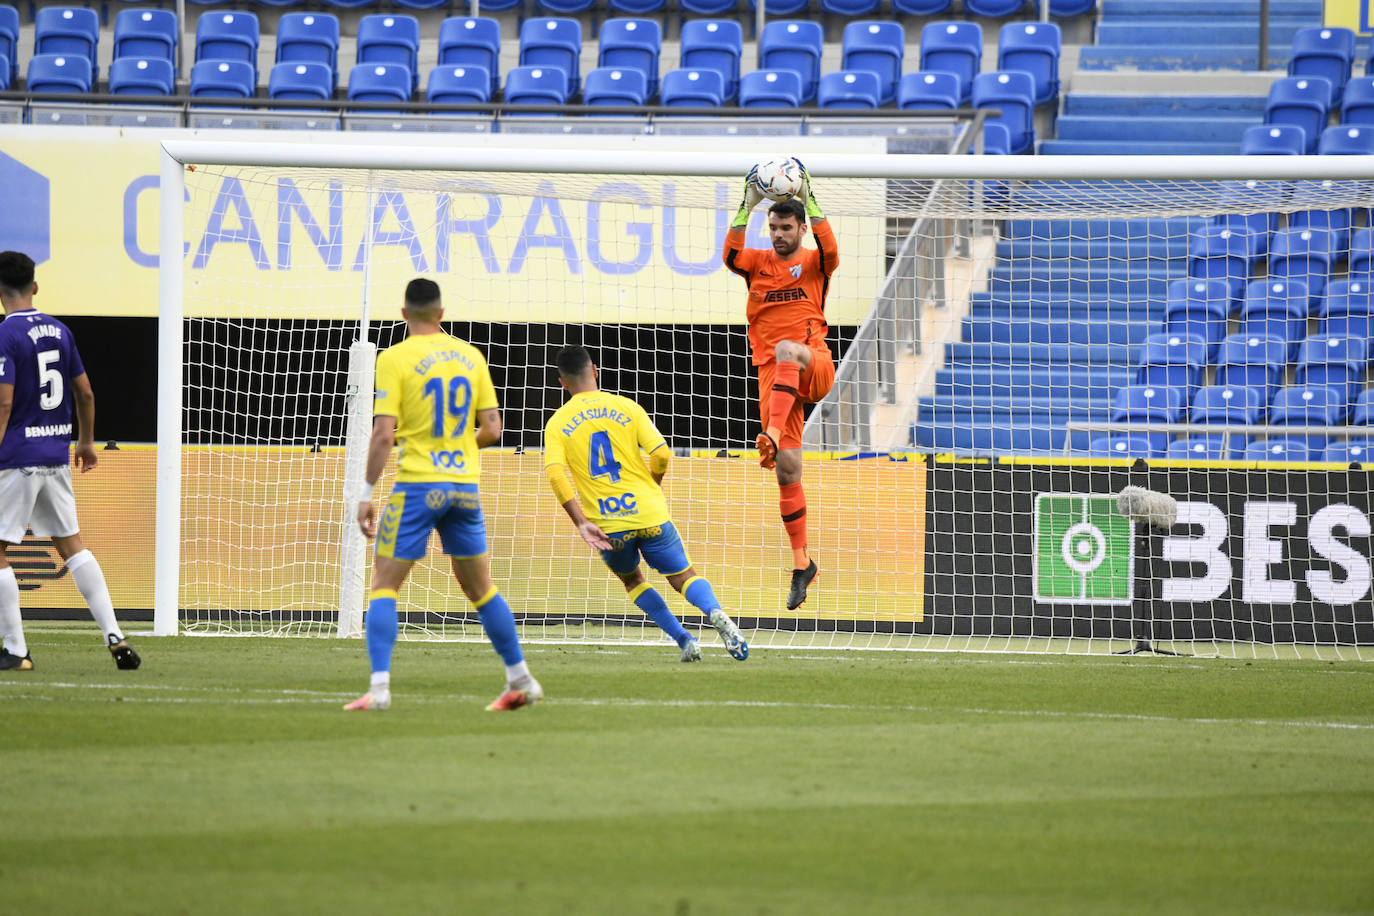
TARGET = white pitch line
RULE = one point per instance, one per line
(216, 695)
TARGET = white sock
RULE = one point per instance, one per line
(518, 674)
(11, 624)
(381, 683)
(86, 574)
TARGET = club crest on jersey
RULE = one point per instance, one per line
(795, 270)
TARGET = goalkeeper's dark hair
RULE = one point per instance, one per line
(16, 272)
(572, 362)
(790, 207)
(422, 293)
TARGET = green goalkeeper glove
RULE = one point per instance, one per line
(752, 196)
(813, 207)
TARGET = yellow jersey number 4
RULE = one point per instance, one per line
(452, 399)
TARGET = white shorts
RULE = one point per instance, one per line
(40, 498)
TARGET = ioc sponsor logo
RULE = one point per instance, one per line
(616, 505)
(452, 459)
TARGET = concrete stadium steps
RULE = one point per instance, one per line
(1074, 331)
(1087, 104)
(1133, 284)
(1137, 227)
(997, 438)
(1117, 148)
(1019, 305)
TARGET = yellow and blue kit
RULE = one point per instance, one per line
(434, 385)
(598, 437)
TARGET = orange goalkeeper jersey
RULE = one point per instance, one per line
(786, 296)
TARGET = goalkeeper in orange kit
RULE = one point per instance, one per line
(786, 314)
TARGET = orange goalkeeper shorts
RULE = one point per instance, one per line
(814, 384)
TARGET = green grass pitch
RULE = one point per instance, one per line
(223, 777)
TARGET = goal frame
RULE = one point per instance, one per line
(178, 154)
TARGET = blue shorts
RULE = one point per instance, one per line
(415, 509)
(660, 545)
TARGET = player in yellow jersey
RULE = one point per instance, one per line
(617, 506)
(430, 387)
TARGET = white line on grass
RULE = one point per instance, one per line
(277, 696)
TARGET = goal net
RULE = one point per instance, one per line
(1010, 336)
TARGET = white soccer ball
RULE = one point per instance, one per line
(778, 179)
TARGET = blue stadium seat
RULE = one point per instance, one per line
(1337, 363)
(1333, 226)
(417, 4)
(553, 43)
(300, 80)
(1012, 91)
(926, 90)
(141, 76)
(70, 32)
(686, 88)
(536, 86)
(954, 47)
(1307, 405)
(227, 36)
(4, 73)
(1246, 200)
(781, 8)
(713, 45)
(380, 83)
(707, 8)
(499, 6)
(877, 47)
(1324, 51)
(1220, 253)
(1198, 307)
(1034, 48)
(9, 41)
(1201, 448)
(1362, 254)
(1276, 308)
(921, 7)
(636, 7)
(851, 7)
(1273, 140)
(1348, 308)
(1362, 414)
(1302, 102)
(1357, 103)
(632, 44)
(1147, 404)
(59, 73)
(794, 46)
(1277, 450)
(1301, 254)
(1252, 361)
(565, 8)
(222, 79)
(996, 142)
(1347, 140)
(1066, 8)
(1230, 405)
(309, 38)
(468, 41)
(455, 83)
(993, 9)
(851, 89)
(390, 39)
(1172, 361)
(615, 86)
(770, 89)
(1123, 447)
(146, 34)
(1349, 451)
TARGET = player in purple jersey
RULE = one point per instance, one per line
(40, 377)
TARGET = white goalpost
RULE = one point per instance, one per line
(1010, 334)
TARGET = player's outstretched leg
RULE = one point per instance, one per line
(499, 623)
(801, 579)
(648, 600)
(381, 627)
(703, 597)
(15, 655)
